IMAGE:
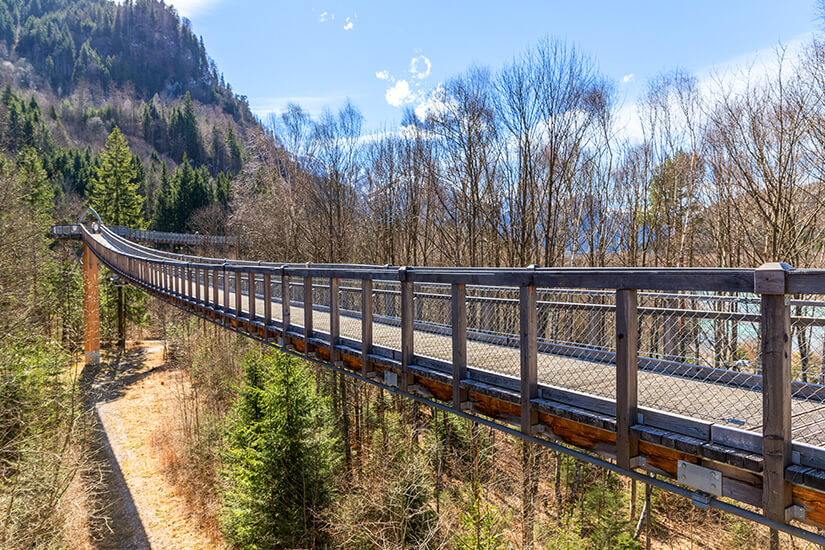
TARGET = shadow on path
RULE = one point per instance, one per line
(119, 526)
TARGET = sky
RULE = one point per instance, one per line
(386, 56)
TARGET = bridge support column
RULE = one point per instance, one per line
(91, 307)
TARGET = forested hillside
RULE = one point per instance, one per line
(72, 71)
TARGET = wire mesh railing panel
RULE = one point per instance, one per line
(433, 328)
(276, 293)
(576, 340)
(386, 311)
(349, 292)
(808, 369)
(492, 329)
(699, 356)
(296, 303)
(321, 307)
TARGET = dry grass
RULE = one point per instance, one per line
(141, 432)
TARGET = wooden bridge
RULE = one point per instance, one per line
(708, 378)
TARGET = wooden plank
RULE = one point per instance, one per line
(776, 403)
(407, 332)
(366, 327)
(627, 375)
(458, 314)
(528, 357)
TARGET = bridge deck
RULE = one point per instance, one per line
(715, 402)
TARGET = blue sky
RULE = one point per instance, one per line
(387, 55)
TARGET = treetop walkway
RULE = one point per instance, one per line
(710, 378)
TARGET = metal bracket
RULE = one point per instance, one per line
(701, 499)
(638, 462)
(795, 511)
(339, 364)
(390, 378)
(701, 478)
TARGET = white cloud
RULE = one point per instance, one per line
(349, 25)
(627, 78)
(384, 75)
(326, 16)
(420, 67)
(190, 8)
(400, 94)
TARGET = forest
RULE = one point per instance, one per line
(118, 105)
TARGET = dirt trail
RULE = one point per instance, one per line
(133, 396)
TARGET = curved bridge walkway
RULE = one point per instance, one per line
(710, 377)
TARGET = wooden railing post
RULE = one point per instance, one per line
(458, 317)
(366, 327)
(528, 346)
(253, 306)
(197, 285)
(267, 304)
(407, 329)
(225, 292)
(307, 315)
(770, 282)
(286, 309)
(334, 322)
(238, 298)
(627, 375)
(215, 289)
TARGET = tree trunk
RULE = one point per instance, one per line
(121, 322)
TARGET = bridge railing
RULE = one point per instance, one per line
(697, 352)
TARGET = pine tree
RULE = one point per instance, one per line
(279, 458)
(115, 190)
(115, 198)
